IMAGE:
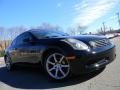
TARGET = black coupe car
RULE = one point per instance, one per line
(60, 54)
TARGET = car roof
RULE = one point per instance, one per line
(40, 30)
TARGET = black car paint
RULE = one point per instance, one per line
(32, 52)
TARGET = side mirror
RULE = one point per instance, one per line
(28, 40)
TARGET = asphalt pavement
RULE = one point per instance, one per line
(31, 78)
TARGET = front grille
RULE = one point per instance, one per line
(99, 43)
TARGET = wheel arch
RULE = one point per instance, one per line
(51, 50)
(6, 54)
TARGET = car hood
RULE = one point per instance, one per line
(86, 38)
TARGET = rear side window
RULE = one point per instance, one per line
(20, 39)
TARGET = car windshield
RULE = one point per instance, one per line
(48, 34)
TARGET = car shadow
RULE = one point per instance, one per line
(30, 78)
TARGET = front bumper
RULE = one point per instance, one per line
(88, 62)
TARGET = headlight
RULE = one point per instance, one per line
(76, 44)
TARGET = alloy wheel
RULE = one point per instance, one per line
(57, 66)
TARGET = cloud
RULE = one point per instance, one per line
(90, 10)
(59, 4)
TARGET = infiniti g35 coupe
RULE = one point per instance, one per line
(59, 54)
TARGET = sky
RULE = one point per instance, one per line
(64, 13)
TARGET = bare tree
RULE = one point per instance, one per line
(2, 38)
(81, 29)
(14, 31)
(71, 31)
(101, 31)
(2, 29)
(77, 30)
(47, 26)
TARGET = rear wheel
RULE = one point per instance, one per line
(8, 63)
(57, 66)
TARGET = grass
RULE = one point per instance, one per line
(2, 53)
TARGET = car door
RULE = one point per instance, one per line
(25, 51)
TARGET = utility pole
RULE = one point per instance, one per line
(118, 18)
(110, 29)
(104, 27)
(101, 30)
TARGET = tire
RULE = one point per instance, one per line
(9, 65)
(57, 66)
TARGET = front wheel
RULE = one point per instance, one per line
(57, 66)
